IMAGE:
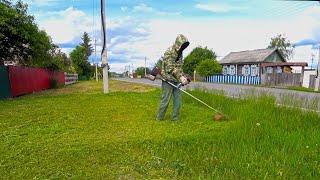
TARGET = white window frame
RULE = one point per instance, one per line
(246, 70)
(232, 70)
(269, 70)
(279, 69)
(225, 70)
(254, 70)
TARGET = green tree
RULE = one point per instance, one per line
(60, 61)
(20, 38)
(140, 71)
(196, 56)
(159, 63)
(209, 67)
(282, 44)
(79, 61)
(86, 44)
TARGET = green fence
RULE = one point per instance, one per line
(4, 83)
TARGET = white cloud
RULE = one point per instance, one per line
(124, 8)
(42, 2)
(218, 8)
(143, 8)
(64, 26)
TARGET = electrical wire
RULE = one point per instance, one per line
(103, 28)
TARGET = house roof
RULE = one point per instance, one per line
(250, 56)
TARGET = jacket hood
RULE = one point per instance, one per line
(181, 43)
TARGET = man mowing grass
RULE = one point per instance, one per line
(172, 71)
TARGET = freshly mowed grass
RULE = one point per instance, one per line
(79, 132)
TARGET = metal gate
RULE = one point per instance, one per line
(4, 83)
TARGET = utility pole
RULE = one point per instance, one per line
(317, 82)
(312, 60)
(95, 58)
(97, 78)
(145, 66)
(104, 48)
(129, 71)
(132, 70)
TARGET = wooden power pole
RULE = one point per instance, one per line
(145, 66)
(104, 48)
(317, 82)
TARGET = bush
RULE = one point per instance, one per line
(209, 67)
(83, 78)
(196, 56)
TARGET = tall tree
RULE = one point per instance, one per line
(86, 44)
(282, 44)
(196, 56)
(20, 37)
(79, 60)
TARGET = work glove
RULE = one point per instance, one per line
(150, 77)
(184, 81)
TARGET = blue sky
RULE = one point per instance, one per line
(145, 28)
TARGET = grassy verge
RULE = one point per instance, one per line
(78, 132)
(303, 89)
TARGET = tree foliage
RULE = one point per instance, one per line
(282, 44)
(80, 57)
(159, 63)
(20, 38)
(86, 44)
(60, 61)
(140, 71)
(209, 67)
(196, 56)
(79, 61)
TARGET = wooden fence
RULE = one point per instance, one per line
(70, 78)
(281, 79)
(312, 81)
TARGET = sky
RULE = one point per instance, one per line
(139, 29)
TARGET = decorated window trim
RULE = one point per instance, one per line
(254, 70)
(232, 70)
(246, 70)
(225, 70)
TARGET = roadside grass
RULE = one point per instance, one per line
(303, 89)
(79, 132)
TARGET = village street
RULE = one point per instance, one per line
(299, 99)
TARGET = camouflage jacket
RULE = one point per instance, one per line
(172, 62)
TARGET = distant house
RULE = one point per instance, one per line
(256, 63)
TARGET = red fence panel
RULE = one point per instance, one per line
(25, 80)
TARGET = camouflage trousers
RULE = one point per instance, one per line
(167, 92)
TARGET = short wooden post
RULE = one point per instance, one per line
(302, 76)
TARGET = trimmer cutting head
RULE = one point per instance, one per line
(219, 117)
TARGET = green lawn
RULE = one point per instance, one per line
(79, 132)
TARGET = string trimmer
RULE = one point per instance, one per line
(156, 73)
